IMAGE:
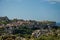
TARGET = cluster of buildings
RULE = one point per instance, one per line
(11, 25)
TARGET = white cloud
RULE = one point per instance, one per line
(52, 1)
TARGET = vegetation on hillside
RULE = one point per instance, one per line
(24, 30)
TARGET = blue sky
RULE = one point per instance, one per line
(31, 9)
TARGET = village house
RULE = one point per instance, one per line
(9, 28)
(36, 33)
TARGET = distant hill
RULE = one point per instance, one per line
(4, 20)
(58, 24)
(31, 23)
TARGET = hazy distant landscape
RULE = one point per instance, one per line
(29, 19)
(58, 24)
